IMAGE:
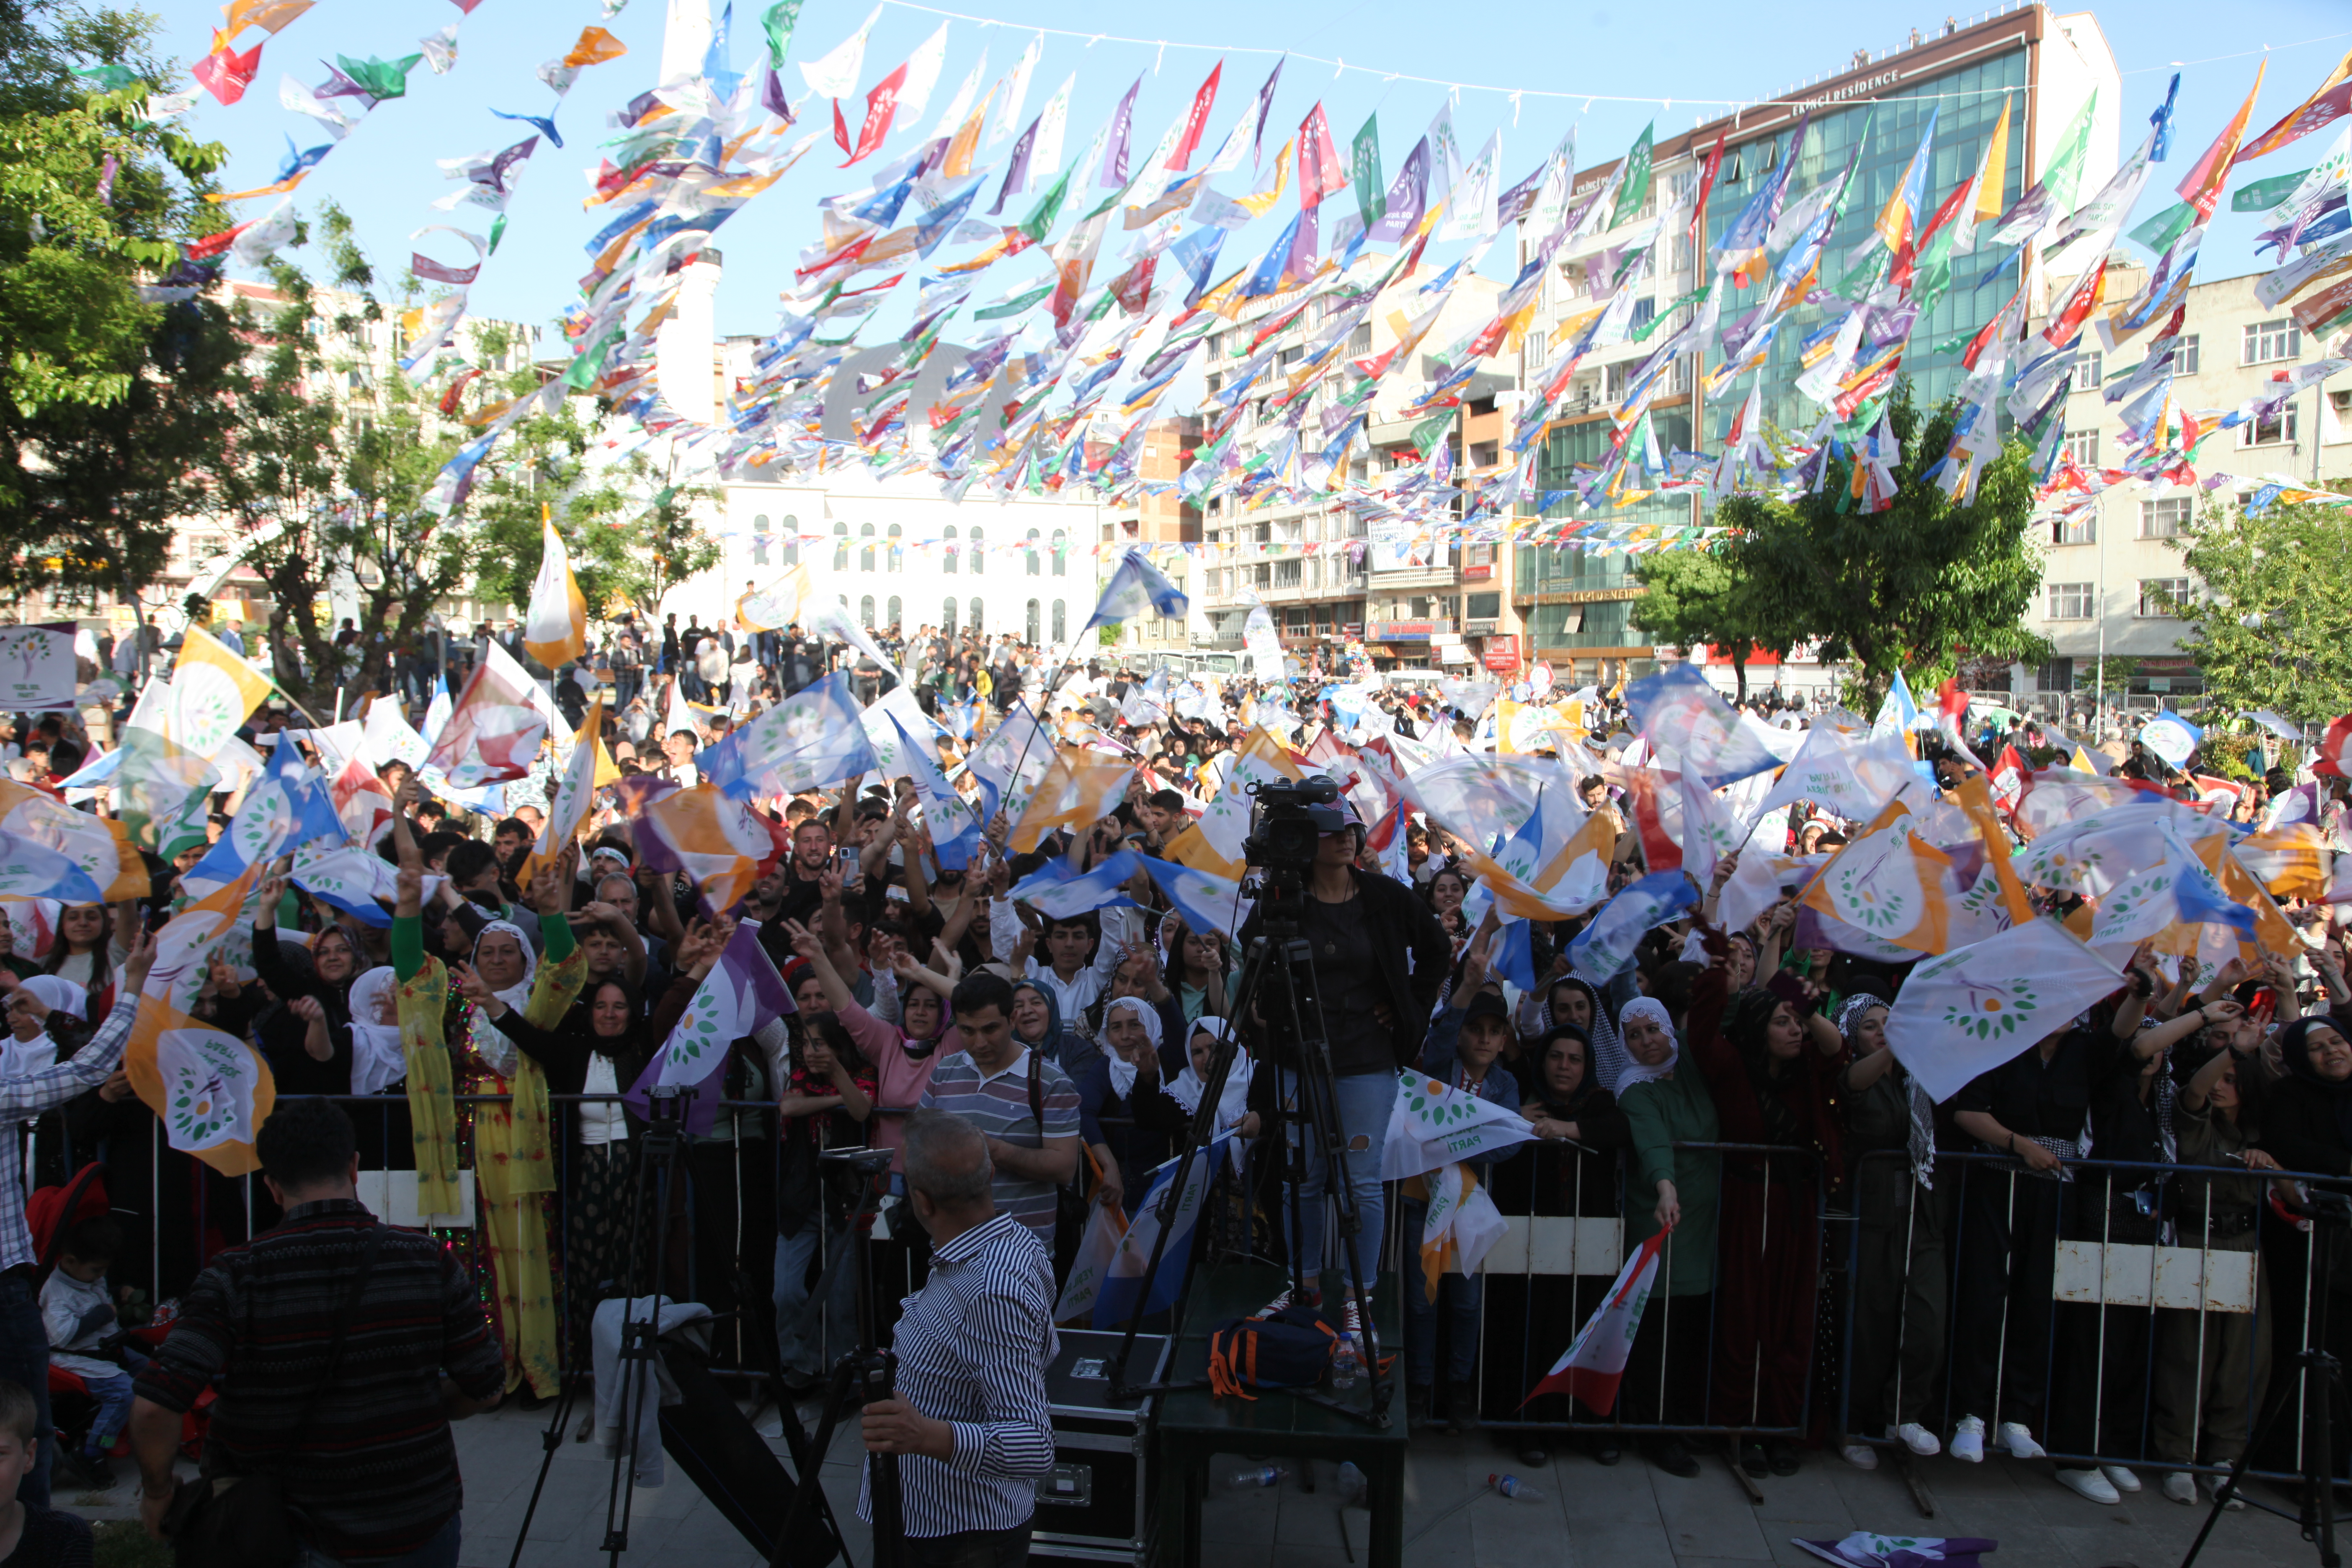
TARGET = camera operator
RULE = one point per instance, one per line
(1380, 957)
(969, 1417)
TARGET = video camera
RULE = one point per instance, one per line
(1287, 819)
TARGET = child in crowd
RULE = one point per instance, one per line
(77, 1312)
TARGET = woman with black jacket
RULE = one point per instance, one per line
(1379, 958)
(308, 1036)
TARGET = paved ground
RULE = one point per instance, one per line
(1591, 1516)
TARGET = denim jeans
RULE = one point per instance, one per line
(809, 1349)
(114, 1396)
(1457, 1301)
(24, 1359)
(441, 1551)
(1365, 1100)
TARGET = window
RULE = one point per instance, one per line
(1061, 620)
(973, 612)
(2083, 449)
(760, 540)
(2269, 429)
(1061, 565)
(2161, 597)
(865, 612)
(1036, 565)
(948, 555)
(896, 552)
(1360, 342)
(2089, 371)
(2082, 527)
(1032, 637)
(1287, 573)
(2268, 340)
(2184, 355)
(791, 534)
(1486, 606)
(841, 547)
(2164, 519)
(866, 551)
(979, 565)
(894, 611)
(2070, 601)
(946, 617)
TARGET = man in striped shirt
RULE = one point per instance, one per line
(1025, 1106)
(969, 1418)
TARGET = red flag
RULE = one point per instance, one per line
(881, 104)
(2332, 102)
(1196, 121)
(2009, 777)
(224, 73)
(2335, 751)
(1706, 183)
(840, 127)
(1594, 1361)
(494, 731)
(1320, 170)
(213, 245)
(2067, 323)
(2202, 188)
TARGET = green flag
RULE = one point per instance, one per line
(779, 22)
(1040, 221)
(2061, 176)
(1634, 188)
(1364, 167)
(1013, 307)
(378, 79)
(1431, 430)
(2264, 193)
(2158, 232)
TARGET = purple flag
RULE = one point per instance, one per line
(741, 991)
(1408, 196)
(495, 174)
(772, 96)
(1113, 172)
(1017, 172)
(427, 268)
(1264, 107)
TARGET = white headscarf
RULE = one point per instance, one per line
(1634, 1072)
(377, 1060)
(57, 994)
(1123, 1073)
(1188, 1086)
(519, 994)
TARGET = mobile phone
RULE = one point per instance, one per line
(2265, 1005)
(846, 862)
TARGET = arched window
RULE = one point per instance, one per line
(948, 555)
(866, 551)
(946, 617)
(1061, 561)
(791, 540)
(865, 612)
(1033, 567)
(898, 554)
(1061, 620)
(979, 621)
(979, 561)
(893, 617)
(841, 547)
(760, 540)
(1031, 638)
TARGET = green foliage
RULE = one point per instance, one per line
(2273, 627)
(1703, 596)
(1108, 635)
(2115, 676)
(1917, 587)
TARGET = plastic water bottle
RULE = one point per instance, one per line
(1354, 1488)
(1515, 1488)
(1250, 1476)
(1347, 1362)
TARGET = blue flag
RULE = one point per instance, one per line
(1125, 1293)
(1602, 949)
(288, 806)
(1206, 901)
(811, 740)
(1137, 586)
(1054, 891)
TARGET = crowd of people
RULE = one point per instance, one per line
(1730, 1083)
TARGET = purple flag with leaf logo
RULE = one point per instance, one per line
(741, 991)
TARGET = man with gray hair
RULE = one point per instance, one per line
(969, 1417)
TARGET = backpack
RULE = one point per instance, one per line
(1289, 1349)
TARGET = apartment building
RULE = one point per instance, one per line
(2114, 579)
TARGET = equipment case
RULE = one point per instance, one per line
(1092, 1508)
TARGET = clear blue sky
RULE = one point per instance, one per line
(1700, 55)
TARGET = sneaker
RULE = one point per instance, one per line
(1752, 1459)
(1921, 1441)
(2018, 1442)
(1968, 1440)
(1861, 1456)
(1533, 1457)
(2120, 1478)
(1350, 1321)
(2213, 1489)
(1669, 1454)
(2089, 1484)
(1783, 1455)
(1276, 1305)
(1462, 1407)
(2180, 1486)
(1416, 1408)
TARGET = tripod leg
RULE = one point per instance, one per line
(2280, 1398)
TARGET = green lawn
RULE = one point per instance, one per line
(125, 1543)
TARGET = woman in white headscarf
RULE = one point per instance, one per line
(1123, 1086)
(29, 1047)
(378, 1061)
(1186, 1088)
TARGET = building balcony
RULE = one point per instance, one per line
(1400, 578)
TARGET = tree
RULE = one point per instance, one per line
(108, 402)
(1917, 587)
(1692, 596)
(2273, 626)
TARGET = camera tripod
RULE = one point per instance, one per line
(1277, 979)
(2317, 1373)
(869, 1370)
